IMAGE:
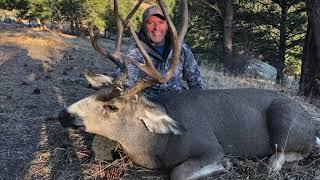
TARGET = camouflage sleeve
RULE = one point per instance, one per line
(133, 72)
(191, 73)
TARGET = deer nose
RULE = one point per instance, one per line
(65, 118)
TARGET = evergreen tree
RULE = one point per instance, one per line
(310, 77)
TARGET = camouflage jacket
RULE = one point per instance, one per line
(187, 70)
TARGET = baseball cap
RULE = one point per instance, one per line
(152, 11)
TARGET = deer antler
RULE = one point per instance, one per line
(176, 41)
(148, 67)
(94, 36)
(115, 57)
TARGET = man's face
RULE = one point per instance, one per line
(156, 29)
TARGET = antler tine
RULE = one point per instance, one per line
(171, 26)
(176, 41)
(139, 86)
(133, 11)
(94, 36)
(119, 26)
(115, 57)
(148, 67)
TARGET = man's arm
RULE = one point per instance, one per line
(191, 73)
(133, 72)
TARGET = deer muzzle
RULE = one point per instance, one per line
(68, 120)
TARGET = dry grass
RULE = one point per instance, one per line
(216, 79)
(40, 73)
(41, 45)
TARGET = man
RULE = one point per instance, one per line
(156, 41)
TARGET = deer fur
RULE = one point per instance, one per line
(190, 132)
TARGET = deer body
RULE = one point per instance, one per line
(188, 132)
(238, 122)
(244, 121)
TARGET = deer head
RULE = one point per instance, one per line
(114, 109)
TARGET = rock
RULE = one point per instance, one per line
(261, 70)
(103, 148)
(248, 66)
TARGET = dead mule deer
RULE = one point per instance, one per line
(190, 132)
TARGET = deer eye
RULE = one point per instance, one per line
(111, 108)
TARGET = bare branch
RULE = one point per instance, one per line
(215, 7)
(184, 21)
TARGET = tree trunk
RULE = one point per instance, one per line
(72, 28)
(77, 26)
(310, 75)
(282, 44)
(52, 23)
(228, 19)
(59, 21)
(58, 18)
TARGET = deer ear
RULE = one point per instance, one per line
(162, 124)
(97, 81)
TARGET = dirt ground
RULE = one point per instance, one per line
(40, 73)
